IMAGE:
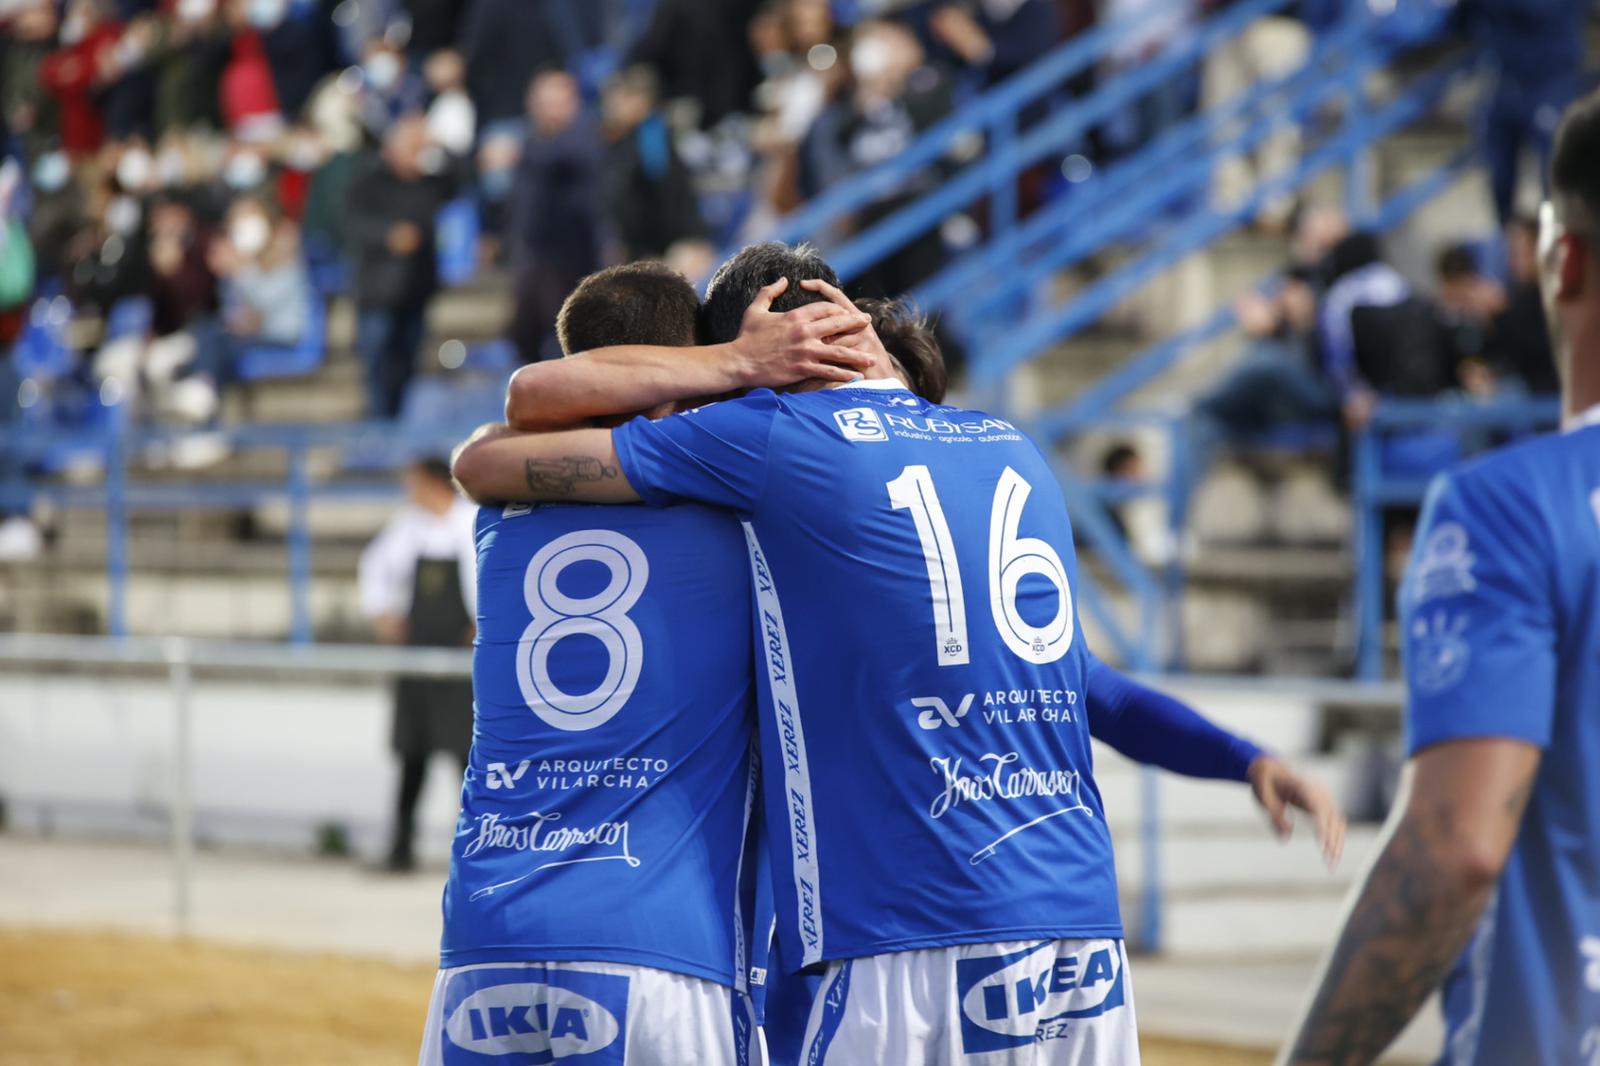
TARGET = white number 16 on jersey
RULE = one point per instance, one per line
(1011, 558)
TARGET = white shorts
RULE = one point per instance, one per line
(585, 1014)
(1022, 1003)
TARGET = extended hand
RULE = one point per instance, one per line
(1278, 788)
(779, 349)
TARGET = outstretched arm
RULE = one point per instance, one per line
(1153, 728)
(773, 350)
(499, 464)
(1422, 899)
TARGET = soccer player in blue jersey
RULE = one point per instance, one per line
(1488, 885)
(593, 910)
(940, 847)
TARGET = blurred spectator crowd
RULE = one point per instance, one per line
(188, 181)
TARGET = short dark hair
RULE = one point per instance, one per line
(636, 303)
(736, 282)
(1117, 459)
(1457, 261)
(434, 468)
(1575, 161)
(908, 337)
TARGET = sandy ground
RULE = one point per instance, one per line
(117, 999)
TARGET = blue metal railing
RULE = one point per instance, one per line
(995, 115)
(119, 496)
(1373, 489)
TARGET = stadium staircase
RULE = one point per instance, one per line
(1093, 318)
(1061, 311)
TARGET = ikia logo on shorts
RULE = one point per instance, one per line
(532, 1015)
(1015, 999)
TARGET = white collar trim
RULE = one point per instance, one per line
(881, 384)
(1584, 419)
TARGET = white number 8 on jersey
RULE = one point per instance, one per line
(603, 616)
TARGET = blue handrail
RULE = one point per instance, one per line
(1170, 153)
(1059, 323)
(1091, 406)
(995, 107)
(1053, 134)
(1123, 217)
(1373, 489)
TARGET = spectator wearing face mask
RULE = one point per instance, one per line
(390, 207)
(71, 74)
(263, 290)
(389, 87)
(896, 95)
(57, 215)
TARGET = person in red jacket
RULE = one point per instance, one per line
(75, 73)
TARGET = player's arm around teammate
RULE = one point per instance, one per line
(772, 350)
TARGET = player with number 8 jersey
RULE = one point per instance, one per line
(599, 898)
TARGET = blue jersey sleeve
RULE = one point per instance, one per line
(1478, 613)
(1150, 727)
(715, 454)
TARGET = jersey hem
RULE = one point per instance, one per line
(982, 936)
(632, 957)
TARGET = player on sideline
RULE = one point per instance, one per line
(593, 905)
(941, 845)
(1489, 880)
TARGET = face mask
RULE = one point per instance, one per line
(195, 10)
(265, 14)
(431, 159)
(74, 29)
(305, 156)
(382, 71)
(869, 58)
(249, 235)
(51, 171)
(123, 214)
(451, 122)
(134, 169)
(244, 171)
(170, 168)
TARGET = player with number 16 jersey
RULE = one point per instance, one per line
(928, 775)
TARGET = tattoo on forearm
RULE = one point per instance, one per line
(1408, 927)
(561, 477)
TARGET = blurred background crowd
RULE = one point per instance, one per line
(192, 190)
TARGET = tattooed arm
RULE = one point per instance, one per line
(1421, 901)
(499, 464)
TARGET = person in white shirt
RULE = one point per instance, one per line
(418, 589)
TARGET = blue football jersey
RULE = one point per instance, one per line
(1501, 608)
(926, 758)
(610, 784)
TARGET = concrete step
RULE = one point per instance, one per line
(1263, 924)
(1199, 866)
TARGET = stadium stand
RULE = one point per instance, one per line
(1114, 266)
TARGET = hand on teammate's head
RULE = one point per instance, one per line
(809, 343)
